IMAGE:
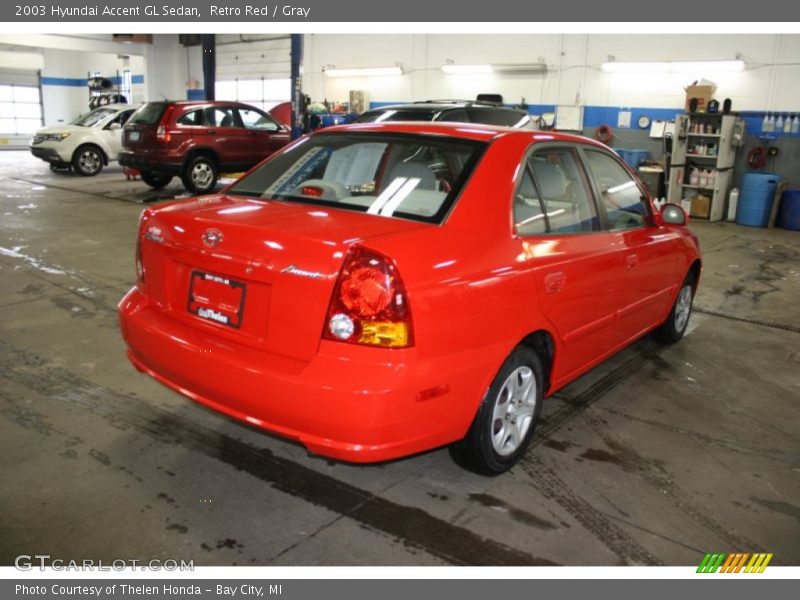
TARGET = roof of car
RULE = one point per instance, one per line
(442, 105)
(470, 131)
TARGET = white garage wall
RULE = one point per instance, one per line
(770, 82)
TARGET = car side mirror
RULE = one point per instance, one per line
(114, 127)
(672, 214)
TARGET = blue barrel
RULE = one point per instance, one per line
(789, 211)
(755, 199)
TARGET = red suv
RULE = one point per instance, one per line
(198, 140)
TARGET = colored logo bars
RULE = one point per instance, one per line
(735, 562)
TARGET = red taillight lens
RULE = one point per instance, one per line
(369, 304)
(161, 133)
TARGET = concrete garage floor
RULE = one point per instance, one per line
(656, 457)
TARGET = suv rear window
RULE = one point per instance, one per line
(408, 176)
(148, 114)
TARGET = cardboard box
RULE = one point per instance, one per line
(703, 93)
(701, 207)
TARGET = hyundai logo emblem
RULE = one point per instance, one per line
(212, 237)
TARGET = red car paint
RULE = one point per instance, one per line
(474, 287)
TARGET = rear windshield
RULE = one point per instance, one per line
(95, 117)
(405, 114)
(148, 114)
(405, 176)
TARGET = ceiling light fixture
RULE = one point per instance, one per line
(712, 66)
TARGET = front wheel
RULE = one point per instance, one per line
(154, 180)
(672, 330)
(200, 175)
(88, 160)
(506, 419)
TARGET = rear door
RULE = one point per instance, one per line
(647, 251)
(576, 264)
(264, 134)
(226, 136)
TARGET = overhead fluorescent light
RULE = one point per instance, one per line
(521, 68)
(716, 66)
(467, 69)
(365, 72)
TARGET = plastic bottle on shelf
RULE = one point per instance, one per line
(787, 125)
(771, 123)
(702, 180)
(764, 124)
(694, 178)
(796, 124)
(779, 123)
(733, 202)
(711, 179)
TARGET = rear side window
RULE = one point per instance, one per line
(221, 116)
(553, 195)
(194, 117)
(407, 176)
(620, 195)
(148, 114)
(494, 116)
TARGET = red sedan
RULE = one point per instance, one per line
(378, 290)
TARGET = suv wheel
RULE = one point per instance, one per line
(155, 180)
(88, 160)
(200, 175)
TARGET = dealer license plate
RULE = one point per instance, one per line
(217, 298)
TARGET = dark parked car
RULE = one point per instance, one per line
(466, 111)
(197, 141)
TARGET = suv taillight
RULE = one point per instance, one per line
(369, 303)
(161, 131)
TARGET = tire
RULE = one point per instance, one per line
(88, 160)
(155, 180)
(501, 431)
(200, 175)
(672, 330)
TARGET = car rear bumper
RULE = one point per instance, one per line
(348, 402)
(159, 164)
(50, 155)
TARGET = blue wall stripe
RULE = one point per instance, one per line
(81, 81)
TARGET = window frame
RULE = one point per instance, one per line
(606, 224)
(590, 188)
(278, 126)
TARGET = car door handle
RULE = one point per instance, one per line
(211, 131)
(553, 282)
(632, 261)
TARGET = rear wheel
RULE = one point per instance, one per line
(155, 180)
(672, 330)
(506, 419)
(200, 175)
(88, 160)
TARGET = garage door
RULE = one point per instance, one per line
(20, 107)
(254, 69)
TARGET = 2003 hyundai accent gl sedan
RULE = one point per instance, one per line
(378, 290)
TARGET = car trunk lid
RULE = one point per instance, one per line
(260, 272)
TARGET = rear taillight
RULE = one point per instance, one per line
(369, 304)
(139, 264)
(161, 131)
(161, 134)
